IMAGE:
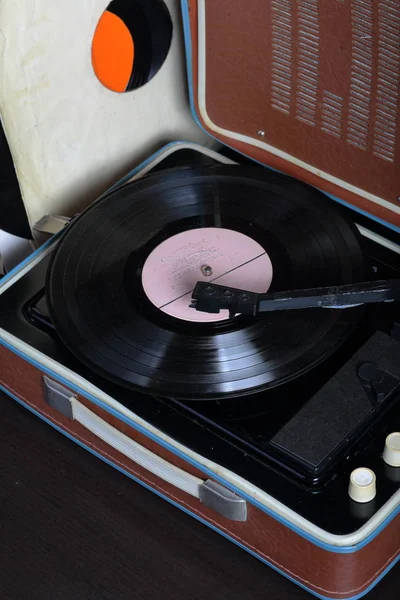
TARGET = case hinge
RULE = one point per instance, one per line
(51, 224)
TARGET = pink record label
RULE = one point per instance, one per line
(210, 254)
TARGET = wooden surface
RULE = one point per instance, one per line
(73, 528)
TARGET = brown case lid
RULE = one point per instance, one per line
(310, 88)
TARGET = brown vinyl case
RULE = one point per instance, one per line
(310, 88)
(327, 565)
(326, 573)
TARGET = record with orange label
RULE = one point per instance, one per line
(130, 43)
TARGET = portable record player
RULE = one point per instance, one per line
(278, 430)
(268, 469)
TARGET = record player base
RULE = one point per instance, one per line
(327, 574)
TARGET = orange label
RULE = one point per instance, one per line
(113, 52)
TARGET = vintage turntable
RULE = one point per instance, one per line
(270, 430)
(279, 430)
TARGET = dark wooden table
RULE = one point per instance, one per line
(73, 528)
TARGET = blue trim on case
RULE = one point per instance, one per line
(188, 55)
(188, 47)
(164, 444)
(191, 514)
(28, 259)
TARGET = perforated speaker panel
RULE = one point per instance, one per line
(308, 86)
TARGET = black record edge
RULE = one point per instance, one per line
(213, 389)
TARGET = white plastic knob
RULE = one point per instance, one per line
(362, 486)
(391, 452)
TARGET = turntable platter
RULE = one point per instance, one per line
(120, 281)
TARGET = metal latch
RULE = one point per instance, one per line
(58, 397)
(223, 501)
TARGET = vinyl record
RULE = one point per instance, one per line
(131, 42)
(120, 280)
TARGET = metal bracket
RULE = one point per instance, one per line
(223, 501)
(58, 397)
(51, 224)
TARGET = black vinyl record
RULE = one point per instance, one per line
(102, 314)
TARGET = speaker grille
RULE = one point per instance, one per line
(307, 61)
(318, 80)
(388, 80)
(360, 89)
